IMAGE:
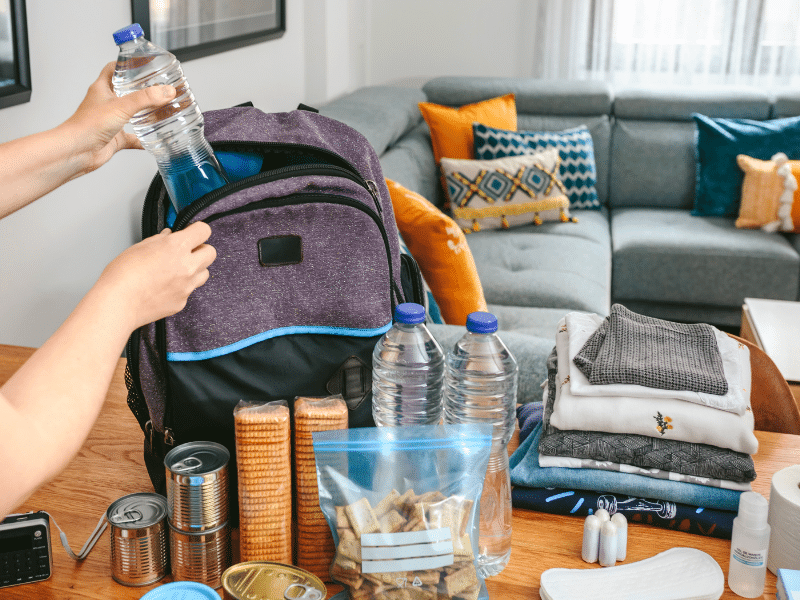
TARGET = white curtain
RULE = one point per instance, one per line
(682, 42)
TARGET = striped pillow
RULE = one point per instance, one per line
(575, 147)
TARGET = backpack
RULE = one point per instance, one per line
(307, 275)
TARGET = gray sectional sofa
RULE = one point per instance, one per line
(643, 249)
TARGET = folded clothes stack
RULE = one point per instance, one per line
(649, 416)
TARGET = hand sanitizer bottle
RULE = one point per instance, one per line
(749, 544)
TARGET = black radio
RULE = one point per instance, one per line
(25, 554)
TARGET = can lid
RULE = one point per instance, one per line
(481, 322)
(271, 581)
(409, 313)
(197, 458)
(136, 511)
(182, 590)
(126, 34)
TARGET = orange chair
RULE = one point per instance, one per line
(774, 405)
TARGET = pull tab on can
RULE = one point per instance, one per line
(307, 593)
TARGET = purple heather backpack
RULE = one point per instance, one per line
(307, 275)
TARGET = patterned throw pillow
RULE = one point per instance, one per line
(504, 192)
(441, 250)
(432, 312)
(770, 194)
(575, 147)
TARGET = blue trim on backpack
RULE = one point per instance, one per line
(260, 337)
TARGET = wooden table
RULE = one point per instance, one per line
(774, 326)
(110, 465)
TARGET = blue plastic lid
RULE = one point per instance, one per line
(126, 34)
(481, 322)
(409, 313)
(182, 590)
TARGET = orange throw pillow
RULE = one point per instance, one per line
(451, 128)
(763, 188)
(440, 248)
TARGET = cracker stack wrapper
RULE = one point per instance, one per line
(263, 455)
(315, 548)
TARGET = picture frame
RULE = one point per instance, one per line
(195, 28)
(15, 66)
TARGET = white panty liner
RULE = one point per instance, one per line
(677, 574)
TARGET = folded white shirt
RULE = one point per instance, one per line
(735, 364)
(570, 462)
(667, 418)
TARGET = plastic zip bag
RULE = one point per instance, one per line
(402, 504)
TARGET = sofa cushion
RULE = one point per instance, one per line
(554, 265)
(652, 164)
(382, 114)
(677, 103)
(533, 96)
(670, 256)
(770, 194)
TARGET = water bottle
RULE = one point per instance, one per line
(407, 368)
(480, 386)
(172, 133)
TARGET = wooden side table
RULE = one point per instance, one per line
(774, 326)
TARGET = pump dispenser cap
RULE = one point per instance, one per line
(481, 322)
(126, 34)
(409, 313)
(753, 510)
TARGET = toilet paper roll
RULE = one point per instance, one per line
(784, 520)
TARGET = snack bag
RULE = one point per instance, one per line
(402, 504)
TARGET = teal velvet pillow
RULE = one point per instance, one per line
(719, 141)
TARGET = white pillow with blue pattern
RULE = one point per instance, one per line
(577, 170)
(506, 192)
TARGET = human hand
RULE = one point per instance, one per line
(154, 278)
(97, 123)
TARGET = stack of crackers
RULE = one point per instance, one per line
(315, 548)
(263, 456)
(402, 513)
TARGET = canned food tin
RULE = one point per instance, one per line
(197, 486)
(260, 580)
(139, 551)
(201, 557)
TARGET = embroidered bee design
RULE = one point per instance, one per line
(563, 383)
(662, 423)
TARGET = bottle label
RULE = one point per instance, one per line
(750, 559)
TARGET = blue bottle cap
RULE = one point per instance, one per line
(481, 322)
(126, 34)
(409, 313)
(182, 590)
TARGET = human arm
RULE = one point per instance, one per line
(34, 165)
(48, 407)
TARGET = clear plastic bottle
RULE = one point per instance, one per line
(407, 369)
(480, 386)
(747, 571)
(173, 133)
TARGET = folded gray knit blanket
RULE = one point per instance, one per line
(701, 460)
(635, 349)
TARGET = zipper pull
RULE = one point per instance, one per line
(373, 190)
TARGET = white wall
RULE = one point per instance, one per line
(52, 251)
(413, 39)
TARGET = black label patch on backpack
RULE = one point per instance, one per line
(280, 250)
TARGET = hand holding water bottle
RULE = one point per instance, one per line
(99, 119)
